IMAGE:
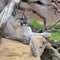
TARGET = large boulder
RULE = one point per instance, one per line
(14, 50)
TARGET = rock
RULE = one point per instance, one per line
(40, 43)
(50, 53)
(14, 50)
(3, 4)
(46, 11)
(55, 43)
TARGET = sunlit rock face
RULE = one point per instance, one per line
(46, 11)
(15, 50)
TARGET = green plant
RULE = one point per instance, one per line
(35, 24)
(57, 26)
(55, 36)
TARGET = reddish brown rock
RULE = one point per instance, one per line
(47, 12)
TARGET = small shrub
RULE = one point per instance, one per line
(35, 24)
(55, 36)
(57, 26)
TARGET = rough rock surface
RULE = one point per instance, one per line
(14, 50)
(45, 11)
(2, 4)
